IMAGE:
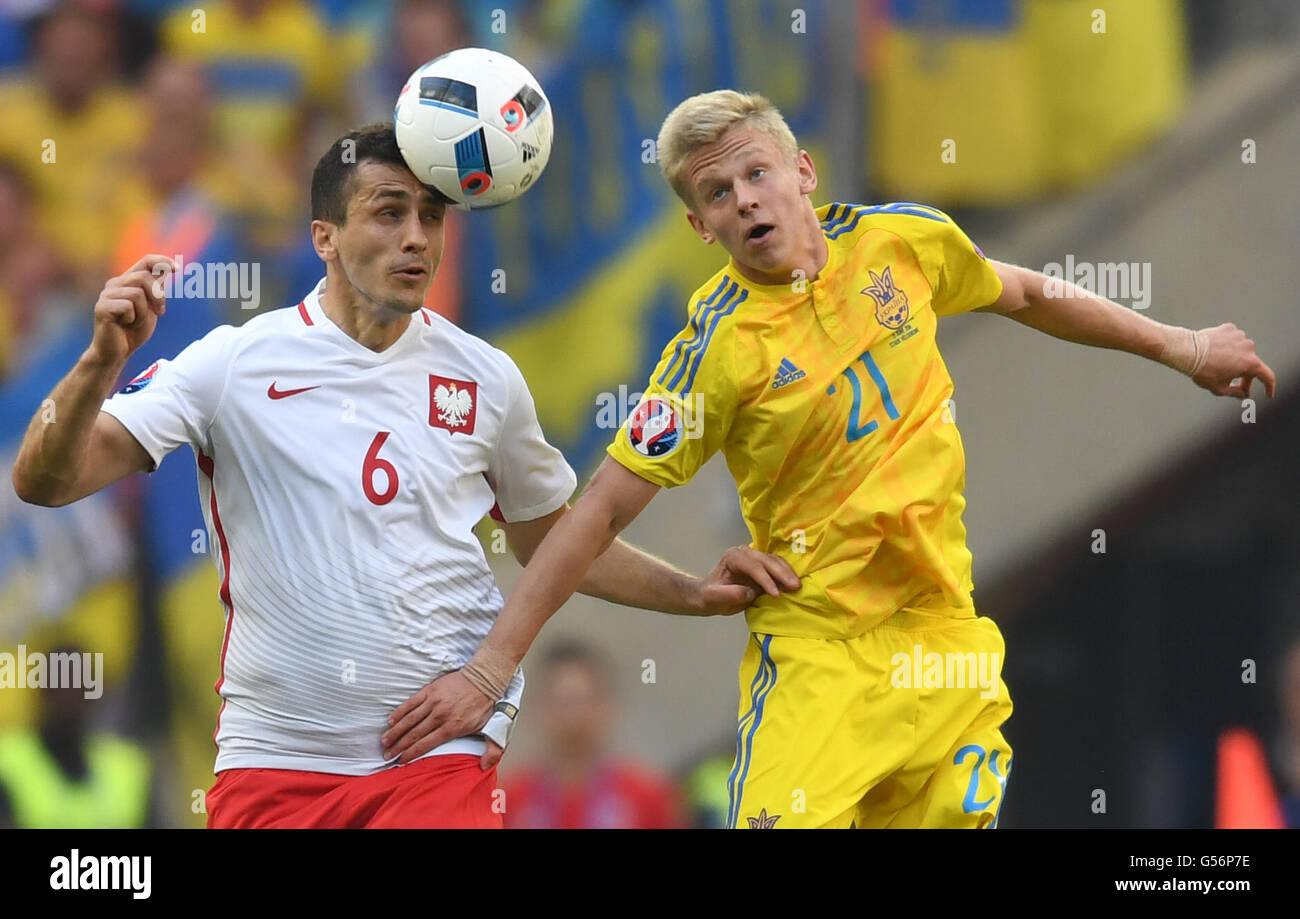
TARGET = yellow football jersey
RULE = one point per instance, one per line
(829, 400)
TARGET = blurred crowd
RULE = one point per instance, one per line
(149, 125)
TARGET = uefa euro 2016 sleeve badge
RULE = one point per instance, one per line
(655, 428)
(141, 381)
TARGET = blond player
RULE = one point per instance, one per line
(810, 361)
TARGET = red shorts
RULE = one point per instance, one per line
(437, 791)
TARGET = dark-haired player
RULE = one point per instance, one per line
(346, 447)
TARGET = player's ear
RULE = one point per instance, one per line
(803, 164)
(322, 239)
(698, 226)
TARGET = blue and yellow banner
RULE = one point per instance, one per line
(585, 278)
(994, 102)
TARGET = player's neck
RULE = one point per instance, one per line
(368, 323)
(816, 252)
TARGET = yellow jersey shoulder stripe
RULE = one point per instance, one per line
(689, 352)
(840, 218)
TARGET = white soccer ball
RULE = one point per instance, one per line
(475, 125)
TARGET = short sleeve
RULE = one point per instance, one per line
(530, 477)
(961, 277)
(174, 402)
(671, 434)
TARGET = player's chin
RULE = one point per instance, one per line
(407, 294)
(768, 263)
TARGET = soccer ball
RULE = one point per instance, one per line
(474, 125)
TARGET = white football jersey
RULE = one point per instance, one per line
(340, 487)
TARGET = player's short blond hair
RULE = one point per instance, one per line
(701, 120)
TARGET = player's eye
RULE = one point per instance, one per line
(717, 193)
(388, 212)
(756, 172)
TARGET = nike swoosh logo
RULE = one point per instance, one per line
(285, 393)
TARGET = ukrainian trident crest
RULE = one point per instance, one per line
(891, 303)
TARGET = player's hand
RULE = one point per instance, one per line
(128, 308)
(741, 574)
(447, 708)
(1232, 365)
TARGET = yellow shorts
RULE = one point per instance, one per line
(899, 727)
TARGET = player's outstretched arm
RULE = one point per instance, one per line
(630, 576)
(71, 449)
(1221, 358)
(460, 703)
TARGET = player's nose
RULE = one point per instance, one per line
(746, 198)
(414, 234)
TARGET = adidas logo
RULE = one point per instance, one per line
(529, 151)
(787, 373)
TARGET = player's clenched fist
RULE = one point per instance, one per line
(128, 308)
